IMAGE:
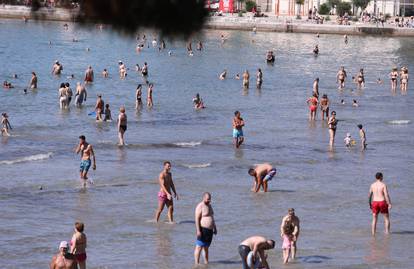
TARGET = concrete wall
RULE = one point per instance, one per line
(17, 12)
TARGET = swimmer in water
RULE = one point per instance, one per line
(5, 125)
(346, 39)
(238, 124)
(223, 39)
(404, 79)
(340, 78)
(199, 46)
(205, 227)
(332, 122)
(105, 73)
(259, 78)
(138, 97)
(316, 50)
(144, 70)
(122, 70)
(165, 197)
(379, 202)
(108, 114)
(262, 174)
(246, 79)
(57, 68)
(313, 106)
(270, 57)
(89, 76)
(342, 102)
(360, 79)
(324, 105)
(237, 76)
(394, 76)
(137, 68)
(198, 102)
(223, 75)
(379, 81)
(348, 140)
(149, 96)
(355, 103)
(363, 137)
(99, 108)
(33, 81)
(86, 151)
(122, 125)
(7, 85)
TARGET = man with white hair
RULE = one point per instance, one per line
(63, 259)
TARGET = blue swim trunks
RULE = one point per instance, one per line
(206, 238)
(85, 165)
(270, 175)
(237, 133)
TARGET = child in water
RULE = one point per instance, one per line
(108, 116)
(348, 140)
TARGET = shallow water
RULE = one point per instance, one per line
(328, 189)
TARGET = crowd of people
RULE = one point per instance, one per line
(252, 249)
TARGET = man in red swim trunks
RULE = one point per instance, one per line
(379, 202)
(165, 197)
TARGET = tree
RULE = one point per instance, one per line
(342, 8)
(250, 5)
(171, 18)
(299, 4)
(361, 4)
(333, 3)
(324, 9)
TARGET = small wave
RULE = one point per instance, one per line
(197, 165)
(188, 144)
(399, 122)
(36, 157)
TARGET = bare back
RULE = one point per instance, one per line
(379, 191)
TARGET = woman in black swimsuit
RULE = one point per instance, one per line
(332, 128)
(138, 96)
(394, 76)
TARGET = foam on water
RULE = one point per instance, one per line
(197, 165)
(31, 158)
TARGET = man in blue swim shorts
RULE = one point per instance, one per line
(262, 173)
(86, 152)
(205, 227)
(238, 124)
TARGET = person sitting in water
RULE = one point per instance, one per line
(223, 74)
(7, 85)
(316, 50)
(355, 103)
(270, 57)
(198, 102)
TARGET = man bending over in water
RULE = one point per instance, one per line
(164, 195)
(379, 202)
(262, 173)
(86, 151)
(257, 244)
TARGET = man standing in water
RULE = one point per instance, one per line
(122, 125)
(80, 95)
(89, 75)
(63, 260)
(379, 202)
(33, 81)
(205, 227)
(262, 173)
(340, 78)
(290, 224)
(316, 87)
(257, 244)
(99, 108)
(87, 152)
(57, 68)
(238, 124)
(164, 195)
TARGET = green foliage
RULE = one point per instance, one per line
(240, 14)
(327, 18)
(324, 9)
(342, 8)
(333, 3)
(298, 17)
(250, 5)
(361, 3)
(300, 2)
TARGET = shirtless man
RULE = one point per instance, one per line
(316, 87)
(257, 244)
(205, 227)
(164, 195)
(33, 81)
(340, 77)
(259, 78)
(105, 73)
(122, 125)
(80, 95)
(89, 75)
(5, 124)
(238, 124)
(149, 95)
(57, 68)
(246, 78)
(324, 103)
(99, 108)
(379, 202)
(63, 259)
(313, 106)
(262, 173)
(87, 152)
(290, 224)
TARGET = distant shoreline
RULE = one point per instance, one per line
(246, 23)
